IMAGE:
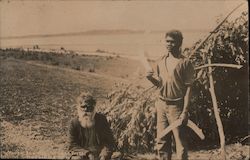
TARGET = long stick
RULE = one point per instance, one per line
(214, 30)
(145, 62)
(216, 112)
(219, 65)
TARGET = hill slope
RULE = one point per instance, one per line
(37, 102)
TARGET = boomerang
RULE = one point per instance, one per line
(177, 123)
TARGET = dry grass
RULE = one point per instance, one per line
(37, 102)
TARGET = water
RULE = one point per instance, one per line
(124, 44)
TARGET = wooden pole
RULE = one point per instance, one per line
(216, 111)
(219, 65)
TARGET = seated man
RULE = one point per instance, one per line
(90, 134)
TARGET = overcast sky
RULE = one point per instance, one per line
(19, 18)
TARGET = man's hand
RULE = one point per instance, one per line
(184, 118)
(102, 158)
(150, 73)
(105, 154)
(79, 153)
(91, 156)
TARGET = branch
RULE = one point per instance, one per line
(214, 30)
(217, 112)
(219, 65)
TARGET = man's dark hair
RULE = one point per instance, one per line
(176, 35)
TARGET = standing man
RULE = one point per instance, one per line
(90, 135)
(173, 77)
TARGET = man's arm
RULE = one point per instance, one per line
(187, 99)
(188, 79)
(153, 79)
(109, 142)
(184, 114)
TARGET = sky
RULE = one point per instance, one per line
(26, 17)
(49, 17)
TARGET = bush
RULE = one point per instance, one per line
(132, 115)
(228, 45)
(131, 110)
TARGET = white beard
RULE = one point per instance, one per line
(86, 119)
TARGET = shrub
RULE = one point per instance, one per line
(131, 110)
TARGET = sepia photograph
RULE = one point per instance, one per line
(124, 79)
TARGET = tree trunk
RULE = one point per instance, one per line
(216, 112)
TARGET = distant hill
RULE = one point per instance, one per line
(90, 32)
(117, 31)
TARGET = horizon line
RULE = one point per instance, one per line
(96, 32)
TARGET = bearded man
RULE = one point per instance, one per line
(90, 134)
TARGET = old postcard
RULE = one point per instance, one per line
(132, 80)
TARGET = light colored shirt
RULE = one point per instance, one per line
(173, 84)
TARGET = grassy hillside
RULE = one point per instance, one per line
(105, 65)
(37, 99)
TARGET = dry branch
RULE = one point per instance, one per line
(219, 65)
(216, 112)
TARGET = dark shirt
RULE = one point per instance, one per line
(99, 137)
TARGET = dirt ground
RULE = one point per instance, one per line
(37, 102)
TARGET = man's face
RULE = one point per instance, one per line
(87, 106)
(86, 113)
(171, 45)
